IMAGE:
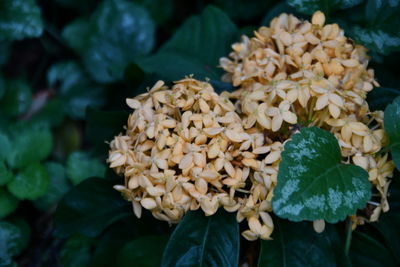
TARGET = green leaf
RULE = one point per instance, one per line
(81, 166)
(17, 98)
(145, 251)
(20, 19)
(116, 34)
(326, 6)
(89, 208)
(378, 40)
(297, 244)
(366, 251)
(52, 113)
(76, 252)
(392, 128)
(58, 186)
(9, 242)
(382, 13)
(76, 90)
(5, 175)
(8, 203)
(379, 27)
(313, 183)
(115, 237)
(30, 144)
(30, 183)
(204, 241)
(195, 48)
(77, 33)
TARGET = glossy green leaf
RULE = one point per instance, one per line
(145, 251)
(16, 99)
(376, 39)
(297, 244)
(313, 183)
(116, 34)
(58, 186)
(195, 48)
(379, 27)
(20, 19)
(366, 251)
(81, 165)
(30, 144)
(8, 203)
(77, 91)
(392, 128)
(76, 251)
(204, 241)
(9, 242)
(30, 183)
(89, 208)
(5, 174)
(327, 6)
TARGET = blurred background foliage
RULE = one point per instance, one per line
(67, 67)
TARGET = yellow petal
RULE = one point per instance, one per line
(186, 161)
(319, 226)
(148, 203)
(277, 123)
(289, 117)
(322, 102)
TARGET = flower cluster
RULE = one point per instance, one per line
(185, 148)
(299, 73)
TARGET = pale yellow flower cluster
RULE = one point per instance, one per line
(298, 73)
(188, 148)
(185, 148)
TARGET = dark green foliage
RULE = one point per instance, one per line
(204, 241)
(297, 244)
(89, 208)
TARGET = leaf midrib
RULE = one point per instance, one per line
(203, 245)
